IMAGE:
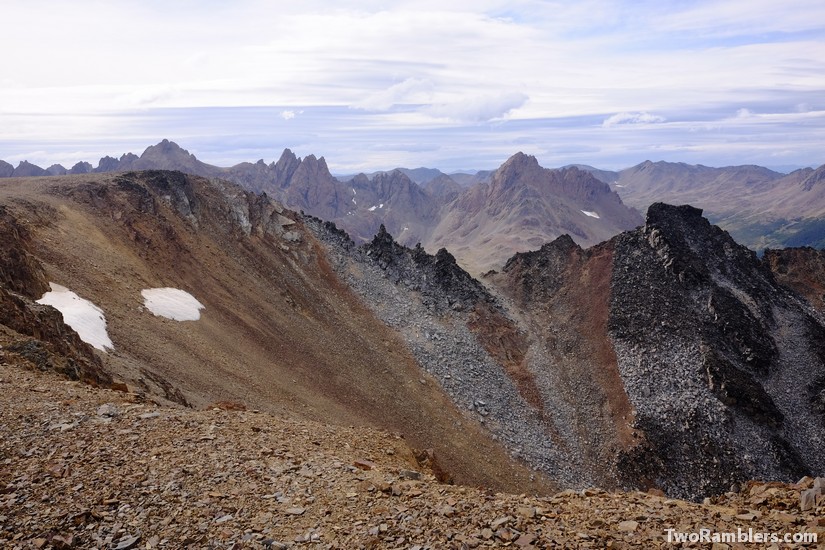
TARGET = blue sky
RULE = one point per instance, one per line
(453, 85)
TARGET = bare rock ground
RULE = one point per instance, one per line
(82, 467)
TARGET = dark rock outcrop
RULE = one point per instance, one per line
(57, 170)
(438, 277)
(6, 169)
(708, 345)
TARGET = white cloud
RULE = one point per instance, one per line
(632, 118)
(478, 108)
(289, 114)
(411, 90)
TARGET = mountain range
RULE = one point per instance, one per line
(517, 207)
(666, 358)
(486, 216)
(759, 207)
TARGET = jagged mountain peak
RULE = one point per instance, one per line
(518, 167)
(166, 148)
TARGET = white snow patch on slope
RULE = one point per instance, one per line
(172, 303)
(353, 201)
(83, 316)
(591, 214)
(372, 208)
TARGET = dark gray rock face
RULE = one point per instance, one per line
(718, 359)
(438, 277)
(721, 367)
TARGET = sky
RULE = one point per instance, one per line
(373, 85)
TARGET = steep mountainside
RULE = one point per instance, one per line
(688, 345)
(525, 206)
(279, 331)
(802, 269)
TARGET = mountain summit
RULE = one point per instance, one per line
(524, 206)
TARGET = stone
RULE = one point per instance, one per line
(628, 526)
(807, 499)
(296, 511)
(499, 522)
(108, 410)
(410, 474)
(364, 464)
(125, 543)
(525, 540)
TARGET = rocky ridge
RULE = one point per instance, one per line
(683, 342)
(708, 345)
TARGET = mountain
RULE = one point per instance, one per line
(524, 206)
(685, 345)
(6, 169)
(279, 331)
(443, 188)
(761, 208)
(421, 175)
(27, 169)
(666, 358)
(607, 176)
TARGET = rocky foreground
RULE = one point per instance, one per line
(82, 467)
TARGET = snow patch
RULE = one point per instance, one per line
(83, 316)
(172, 303)
(353, 201)
(353, 191)
(381, 205)
(591, 214)
(372, 208)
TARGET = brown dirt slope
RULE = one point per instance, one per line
(564, 294)
(279, 331)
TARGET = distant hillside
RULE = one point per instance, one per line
(761, 208)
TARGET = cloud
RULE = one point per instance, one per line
(632, 118)
(479, 108)
(289, 114)
(402, 92)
